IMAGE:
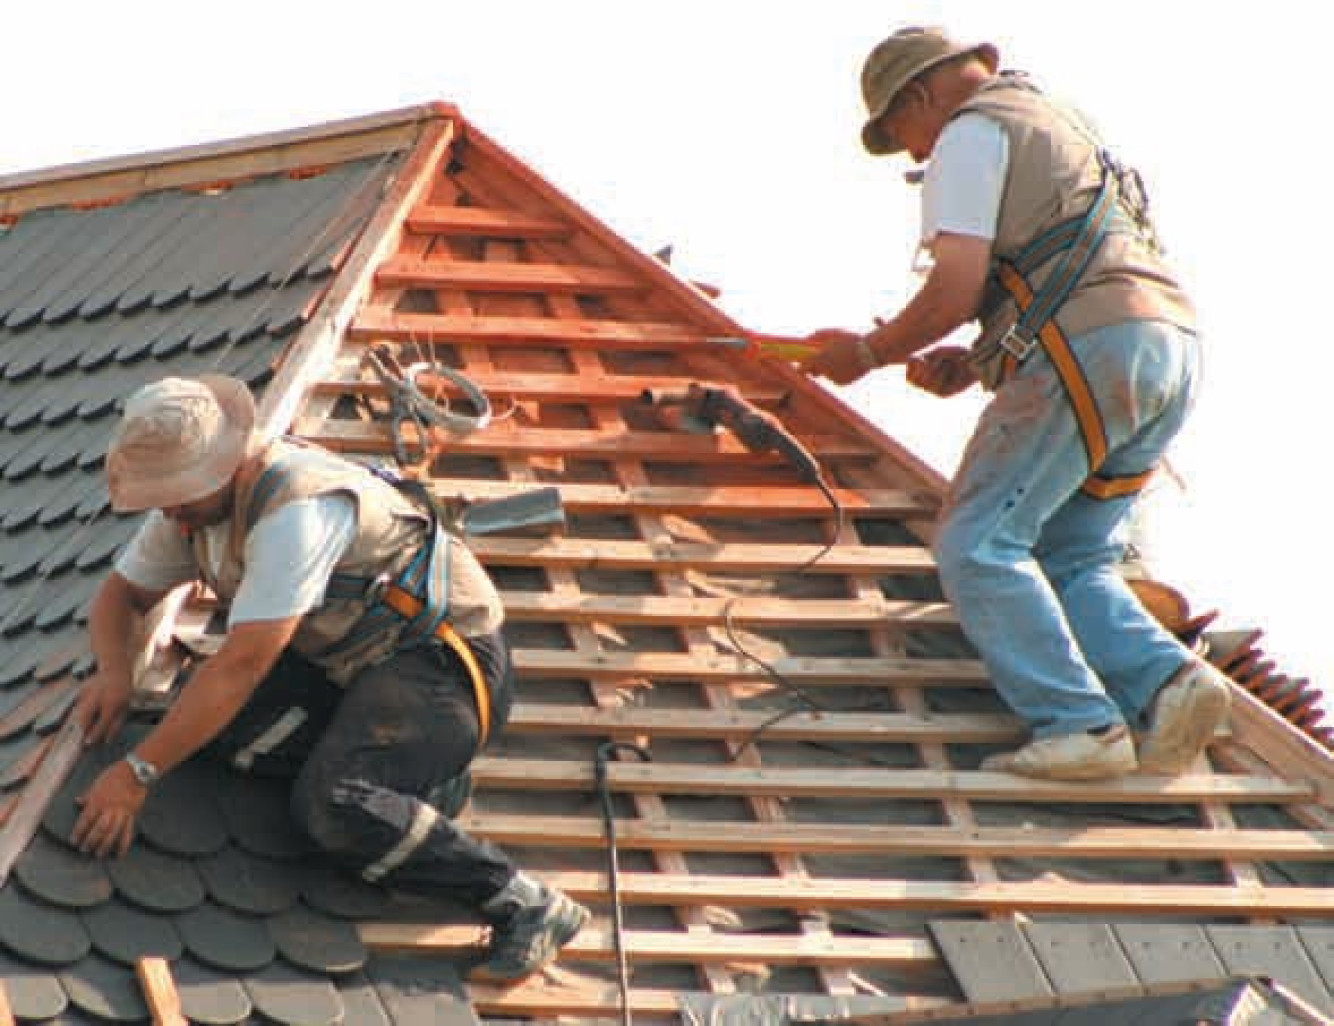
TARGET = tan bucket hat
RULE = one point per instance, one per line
(179, 441)
(897, 61)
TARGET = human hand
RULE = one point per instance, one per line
(840, 355)
(108, 811)
(942, 371)
(102, 705)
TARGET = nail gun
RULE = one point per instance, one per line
(704, 408)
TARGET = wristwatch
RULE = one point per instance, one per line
(144, 771)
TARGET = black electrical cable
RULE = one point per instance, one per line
(600, 762)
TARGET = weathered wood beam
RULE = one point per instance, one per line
(498, 276)
(436, 219)
(374, 325)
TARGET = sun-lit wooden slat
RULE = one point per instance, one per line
(722, 501)
(691, 612)
(896, 839)
(743, 725)
(435, 219)
(375, 324)
(495, 276)
(849, 783)
(551, 388)
(812, 671)
(589, 554)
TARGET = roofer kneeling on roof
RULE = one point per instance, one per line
(363, 655)
(1088, 343)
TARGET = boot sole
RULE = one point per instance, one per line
(1171, 747)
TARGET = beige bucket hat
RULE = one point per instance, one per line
(179, 441)
(897, 61)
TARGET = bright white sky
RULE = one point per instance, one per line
(730, 130)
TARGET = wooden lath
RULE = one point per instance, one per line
(498, 275)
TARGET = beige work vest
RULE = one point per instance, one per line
(391, 529)
(1054, 174)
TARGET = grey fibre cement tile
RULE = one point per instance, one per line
(40, 932)
(258, 816)
(314, 941)
(33, 993)
(226, 940)
(156, 881)
(210, 998)
(421, 989)
(62, 876)
(247, 883)
(338, 892)
(105, 990)
(292, 996)
(180, 815)
(126, 934)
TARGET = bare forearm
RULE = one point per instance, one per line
(111, 627)
(932, 314)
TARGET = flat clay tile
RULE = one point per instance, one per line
(126, 934)
(105, 990)
(40, 932)
(289, 995)
(33, 993)
(308, 939)
(211, 999)
(61, 875)
(244, 882)
(156, 881)
(226, 940)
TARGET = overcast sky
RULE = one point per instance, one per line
(730, 130)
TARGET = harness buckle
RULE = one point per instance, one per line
(1017, 345)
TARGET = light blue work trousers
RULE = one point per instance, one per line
(1030, 562)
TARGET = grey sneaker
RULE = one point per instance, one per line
(1080, 756)
(530, 923)
(1187, 710)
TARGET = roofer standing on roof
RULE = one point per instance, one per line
(1088, 343)
(362, 657)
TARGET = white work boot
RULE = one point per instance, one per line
(530, 923)
(1186, 712)
(1083, 756)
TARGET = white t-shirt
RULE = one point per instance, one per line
(961, 192)
(289, 556)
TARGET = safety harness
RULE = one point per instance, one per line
(416, 600)
(1075, 241)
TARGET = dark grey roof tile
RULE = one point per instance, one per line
(314, 941)
(362, 1004)
(29, 250)
(156, 881)
(25, 358)
(212, 999)
(125, 933)
(258, 817)
(167, 330)
(63, 811)
(26, 296)
(181, 816)
(33, 992)
(95, 502)
(38, 443)
(159, 256)
(338, 892)
(419, 988)
(24, 653)
(107, 538)
(55, 713)
(247, 883)
(18, 719)
(105, 990)
(15, 753)
(59, 663)
(226, 940)
(70, 342)
(39, 932)
(61, 875)
(65, 504)
(291, 996)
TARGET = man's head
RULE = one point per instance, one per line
(912, 84)
(178, 447)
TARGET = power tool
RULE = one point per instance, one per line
(705, 407)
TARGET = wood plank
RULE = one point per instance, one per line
(1080, 957)
(593, 945)
(1290, 750)
(496, 276)
(377, 325)
(437, 219)
(1168, 952)
(62, 752)
(1275, 952)
(159, 990)
(366, 436)
(551, 388)
(790, 782)
(720, 501)
(744, 725)
(877, 839)
(990, 961)
(6, 1010)
(707, 611)
(589, 554)
(939, 897)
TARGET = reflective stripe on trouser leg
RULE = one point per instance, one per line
(1077, 391)
(424, 819)
(284, 727)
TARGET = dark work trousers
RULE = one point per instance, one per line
(363, 760)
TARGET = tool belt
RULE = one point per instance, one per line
(417, 603)
(1075, 241)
